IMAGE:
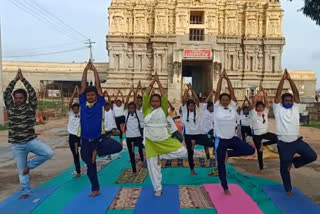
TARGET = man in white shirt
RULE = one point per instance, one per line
(225, 116)
(286, 112)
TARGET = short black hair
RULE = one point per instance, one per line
(155, 95)
(209, 104)
(139, 97)
(132, 104)
(246, 107)
(107, 104)
(224, 95)
(260, 103)
(75, 105)
(91, 89)
(285, 95)
(20, 91)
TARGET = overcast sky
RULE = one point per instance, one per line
(24, 35)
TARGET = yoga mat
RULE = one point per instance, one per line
(297, 204)
(84, 204)
(167, 203)
(13, 205)
(238, 202)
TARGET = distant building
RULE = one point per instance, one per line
(195, 38)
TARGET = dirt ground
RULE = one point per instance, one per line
(53, 132)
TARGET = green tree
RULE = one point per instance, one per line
(312, 10)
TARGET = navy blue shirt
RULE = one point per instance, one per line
(91, 117)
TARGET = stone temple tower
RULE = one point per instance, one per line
(195, 39)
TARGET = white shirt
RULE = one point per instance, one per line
(207, 120)
(118, 111)
(245, 120)
(171, 125)
(141, 117)
(132, 125)
(259, 128)
(287, 122)
(109, 121)
(73, 124)
(191, 127)
(225, 120)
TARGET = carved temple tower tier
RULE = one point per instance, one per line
(195, 38)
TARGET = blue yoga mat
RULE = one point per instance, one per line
(167, 203)
(13, 205)
(84, 204)
(297, 204)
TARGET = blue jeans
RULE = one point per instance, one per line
(20, 153)
(286, 153)
(104, 146)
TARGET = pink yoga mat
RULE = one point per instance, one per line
(238, 202)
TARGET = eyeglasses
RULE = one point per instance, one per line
(77, 116)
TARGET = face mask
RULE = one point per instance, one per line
(287, 106)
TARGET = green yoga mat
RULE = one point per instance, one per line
(69, 188)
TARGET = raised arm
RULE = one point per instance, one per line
(106, 94)
(230, 88)
(116, 97)
(128, 98)
(150, 87)
(139, 87)
(121, 94)
(171, 106)
(162, 90)
(195, 96)
(209, 96)
(7, 95)
(277, 98)
(265, 97)
(185, 96)
(294, 88)
(246, 100)
(84, 78)
(32, 95)
(97, 80)
(74, 94)
(219, 85)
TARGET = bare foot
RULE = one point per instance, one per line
(193, 172)
(227, 192)
(158, 193)
(26, 171)
(24, 196)
(290, 194)
(94, 194)
(77, 176)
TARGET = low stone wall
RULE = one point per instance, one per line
(314, 111)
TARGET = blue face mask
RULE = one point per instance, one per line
(287, 106)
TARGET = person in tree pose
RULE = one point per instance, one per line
(158, 143)
(118, 109)
(133, 130)
(93, 140)
(245, 120)
(286, 112)
(225, 116)
(73, 128)
(22, 136)
(259, 115)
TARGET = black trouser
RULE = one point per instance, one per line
(286, 153)
(245, 131)
(239, 148)
(257, 139)
(74, 143)
(131, 143)
(103, 146)
(178, 135)
(199, 139)
(120, 120)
